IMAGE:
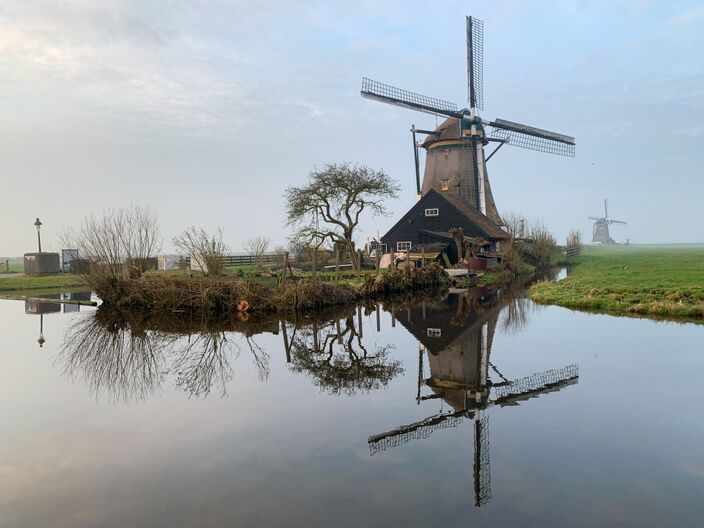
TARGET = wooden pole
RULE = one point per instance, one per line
(313, 262)
(283, 277)
(378, 317)
(287, 346)
(360, 331)
(393, 317)
(337, 263)
(359, 265)
(422, 257)
(315, 337)
(339, 332)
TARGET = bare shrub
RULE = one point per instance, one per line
(516, 225)
(206, 250)
(117, 244)
(257, 247)
(542, 245)
(574, 238)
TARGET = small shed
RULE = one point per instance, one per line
(39, 263)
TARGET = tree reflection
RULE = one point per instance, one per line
(129, 357)
(113, 360)
(335, 357)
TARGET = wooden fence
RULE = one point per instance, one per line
(240, 260)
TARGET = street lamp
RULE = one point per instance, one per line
(38, 224)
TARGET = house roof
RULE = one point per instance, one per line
(483, 222)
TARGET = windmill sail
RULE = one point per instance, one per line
(396, 96)
(475, 63)
(482, 466)
(532, 138)
(535, 384)
(415, 431)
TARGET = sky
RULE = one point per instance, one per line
(207, 110)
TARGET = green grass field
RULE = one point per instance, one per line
(659, 281)
(20, 282)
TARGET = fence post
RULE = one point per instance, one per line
(422, 257)
(378, 259)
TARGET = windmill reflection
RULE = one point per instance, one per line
(334, 355)
(456, 337)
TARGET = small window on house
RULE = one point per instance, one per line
(432, 212)
(444, 185)
(403, 246)
(434, 332)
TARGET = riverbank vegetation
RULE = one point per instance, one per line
(658, 281)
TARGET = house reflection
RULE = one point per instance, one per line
(455, 337)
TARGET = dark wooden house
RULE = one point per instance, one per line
(427, 224)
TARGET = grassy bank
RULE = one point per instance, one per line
(659, 281)
(25, 283)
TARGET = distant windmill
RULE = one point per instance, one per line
(455, 162)
(600, 232)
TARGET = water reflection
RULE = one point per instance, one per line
(455, 338)
(333, 354)
(41, 307)
(129, 356)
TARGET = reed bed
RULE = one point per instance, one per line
(226, 297)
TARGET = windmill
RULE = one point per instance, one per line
(457, 340)
(600, 231)
(455, 161)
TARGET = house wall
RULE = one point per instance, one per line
(415, 219)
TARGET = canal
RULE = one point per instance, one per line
(471, 408)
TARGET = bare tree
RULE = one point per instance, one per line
(329, 207)
(116, 244)
(515, 225)
(206, 250)
(257, 247)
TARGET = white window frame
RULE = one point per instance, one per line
(434, 332)
(433, 211)
(404, 248)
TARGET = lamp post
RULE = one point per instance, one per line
(38, 224)
(41, 339)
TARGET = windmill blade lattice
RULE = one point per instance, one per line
(396, 96)
(414, 431)
(475, 63)
(482, 466)
(532, 138)
(535, 384)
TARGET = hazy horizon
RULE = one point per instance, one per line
(207, 111)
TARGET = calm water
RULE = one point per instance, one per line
(424, 414)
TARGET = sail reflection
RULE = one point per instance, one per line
(455, 337)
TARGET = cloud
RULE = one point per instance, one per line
(688, 18)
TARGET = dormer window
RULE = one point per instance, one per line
(444, 185)
(432, 212)
(434, 332)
